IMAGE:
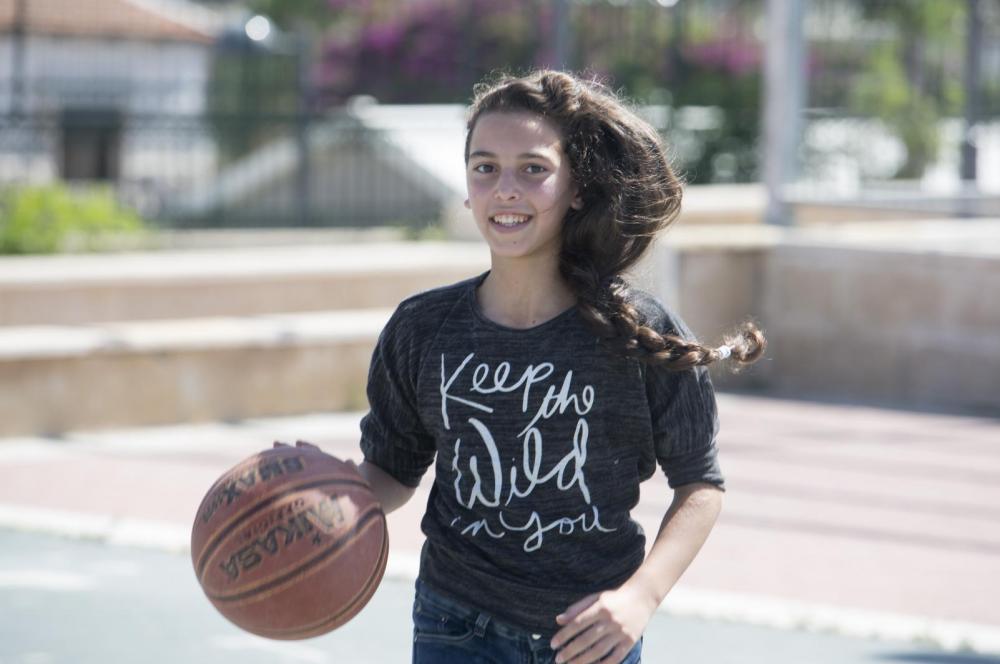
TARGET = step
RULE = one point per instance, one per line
(245, 281)
(59, 378)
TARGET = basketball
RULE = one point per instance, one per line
(289, 543)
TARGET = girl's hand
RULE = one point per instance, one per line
(606, 624)
(298, 443)
(302, 443)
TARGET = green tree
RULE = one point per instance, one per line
(901, 86)
(253, 97)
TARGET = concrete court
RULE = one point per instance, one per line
(83, 602)
(846, 519)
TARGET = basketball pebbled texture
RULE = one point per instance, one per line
(289, 543)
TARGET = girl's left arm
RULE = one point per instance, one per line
(611, 622)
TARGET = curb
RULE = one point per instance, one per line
(757, 610)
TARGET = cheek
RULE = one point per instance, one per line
(547, 187)
(552, 190)
(477, 187)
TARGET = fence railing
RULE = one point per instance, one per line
(332, 170)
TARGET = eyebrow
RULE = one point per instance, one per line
(523, 155)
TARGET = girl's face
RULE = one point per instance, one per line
(519, 184)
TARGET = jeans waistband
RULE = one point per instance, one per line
(482, 619)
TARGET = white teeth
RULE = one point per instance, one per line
(510, 219)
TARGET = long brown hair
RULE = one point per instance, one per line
(630, 193)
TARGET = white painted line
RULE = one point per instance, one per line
(403, 566)
(788, 614)
(157, 535)
(287, 651)
(243, 436)
(150, 535)
(34, 579)
(75, 525)
(246, 435)
(34, 450)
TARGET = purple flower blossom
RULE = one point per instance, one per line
(349, 5)
(383, 38)
(735, 57)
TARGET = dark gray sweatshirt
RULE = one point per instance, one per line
(540, 437)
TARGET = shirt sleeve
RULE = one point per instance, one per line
(392, 434)
(685, 421)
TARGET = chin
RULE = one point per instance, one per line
(522, 252)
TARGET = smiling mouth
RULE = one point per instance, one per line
(510, 220)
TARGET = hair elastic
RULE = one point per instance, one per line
(724, 352)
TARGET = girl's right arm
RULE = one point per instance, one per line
(389, 491)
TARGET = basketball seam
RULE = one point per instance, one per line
(240, 468)
(274, 584)
(330, 622)
(236, 521)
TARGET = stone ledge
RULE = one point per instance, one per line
(52, 342)
(76, 290)
(56, 379)
(239, 263)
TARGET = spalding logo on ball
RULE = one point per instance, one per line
(290, 543)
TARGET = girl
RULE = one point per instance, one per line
(545, 390)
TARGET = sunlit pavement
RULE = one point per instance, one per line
(854, 521)
(84, 602)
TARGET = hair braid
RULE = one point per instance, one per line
(629, 192)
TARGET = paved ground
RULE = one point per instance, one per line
(852, 520)
(82, 602)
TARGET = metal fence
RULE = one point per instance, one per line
(220, 170)
(199, 131)
(245, 168)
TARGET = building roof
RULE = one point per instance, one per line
(112, 19)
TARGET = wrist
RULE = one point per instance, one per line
(644, 592)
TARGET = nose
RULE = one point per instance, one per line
(506, 189)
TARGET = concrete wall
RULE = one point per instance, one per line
(713, 277)
(136, 386)
(906, 314)
(914, 327)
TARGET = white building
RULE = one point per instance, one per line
(81, 77)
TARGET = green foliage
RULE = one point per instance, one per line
(429, 233)
(253, 98)
(882, 89)
(899, 85)
(728, 152)
(48, 219)
(925, 19)
(289, 14)
(919, 132)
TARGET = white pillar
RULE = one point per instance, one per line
(784, 98)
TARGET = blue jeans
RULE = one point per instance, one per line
(447, 632)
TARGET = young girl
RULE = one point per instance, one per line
(545, 390)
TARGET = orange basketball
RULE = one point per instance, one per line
(290, 543)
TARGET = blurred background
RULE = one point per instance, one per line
(208, 211)
(242, 114)
(870, 127)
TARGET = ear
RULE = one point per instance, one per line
(577, 202)
(467, 204)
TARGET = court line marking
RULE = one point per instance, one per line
(758, 610)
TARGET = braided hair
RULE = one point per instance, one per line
(629, 192)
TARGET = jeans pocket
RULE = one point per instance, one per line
(432, 624)
(635, 655)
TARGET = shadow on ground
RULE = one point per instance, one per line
(941, 658)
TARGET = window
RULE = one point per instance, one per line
(91, 144)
